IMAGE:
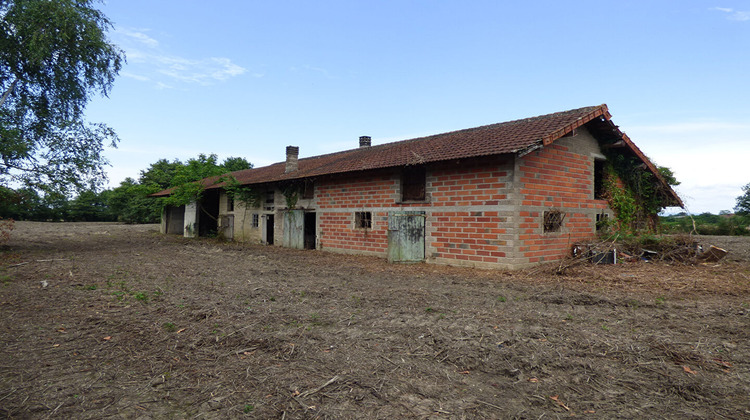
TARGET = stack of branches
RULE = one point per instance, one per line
(681, 249)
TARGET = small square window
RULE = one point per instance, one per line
(363, 220)
(256, 220)
(553, 220)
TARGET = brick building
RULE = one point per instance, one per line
(505, 195)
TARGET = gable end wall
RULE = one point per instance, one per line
(559, 176)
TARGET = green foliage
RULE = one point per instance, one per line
(291, 195)
(53, 56)
(639, 197)
(130, 203)
(233, 164)
(668, 175)
(707, 224)
(743, 201)
(160, 174)
(196, 174)
(241, 193)
(621, 200)
(88, 206)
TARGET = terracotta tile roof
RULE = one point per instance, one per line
(496, 139)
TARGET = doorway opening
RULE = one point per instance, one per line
(269, 229)
(309, 230)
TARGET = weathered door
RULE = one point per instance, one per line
(227, 226)
(406, 236)
(294, 229)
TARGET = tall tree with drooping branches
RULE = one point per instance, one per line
(54, 56)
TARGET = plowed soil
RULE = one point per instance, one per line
(108, 320)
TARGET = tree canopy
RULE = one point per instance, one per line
(54, 55)
(743, 201)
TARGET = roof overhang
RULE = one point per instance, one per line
(599, 121)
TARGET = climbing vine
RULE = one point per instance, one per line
(242, 193)
(633, 193)
(291, 194)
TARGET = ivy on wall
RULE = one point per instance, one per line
(242, 193)
(634, 194)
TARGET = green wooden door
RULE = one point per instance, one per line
(406, 236)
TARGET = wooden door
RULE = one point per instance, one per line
(406, 230)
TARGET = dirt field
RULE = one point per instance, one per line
(106, 320)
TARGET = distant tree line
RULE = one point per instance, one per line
(128, 203)
(723, 223)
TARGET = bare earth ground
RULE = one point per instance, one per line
(133, 324)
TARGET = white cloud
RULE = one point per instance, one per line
(135, 76)
(149, 59)
(138, 36)
(738, 15)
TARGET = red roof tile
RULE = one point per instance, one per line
(495, 139)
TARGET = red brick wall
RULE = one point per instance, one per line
(555, 177)
(349, 194)
(464, 221)
(473, 213)
(458, 228)
(474, 236)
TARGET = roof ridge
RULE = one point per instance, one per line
(446, 133)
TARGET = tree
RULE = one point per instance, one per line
(232, 164)
(89, 206)
(130, 202)
(196, 169)
(743, 201)
(160, 174)
(54, 55)
(668, 175)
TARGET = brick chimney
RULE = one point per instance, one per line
(292, 154)
(365, 141)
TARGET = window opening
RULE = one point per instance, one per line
(599, 179)
(256, 220)
(602, 220)
(308, 189)
(269, 200)
(363, 220)
(413, 183)
(230, 203)
(553, 220)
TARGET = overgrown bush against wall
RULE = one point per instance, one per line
(634, 194)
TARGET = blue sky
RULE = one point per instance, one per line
(247, 78)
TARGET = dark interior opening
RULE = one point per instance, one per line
(309, 230)
(599, 179)
(269, 229)
(413, 183)
(208, 218)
